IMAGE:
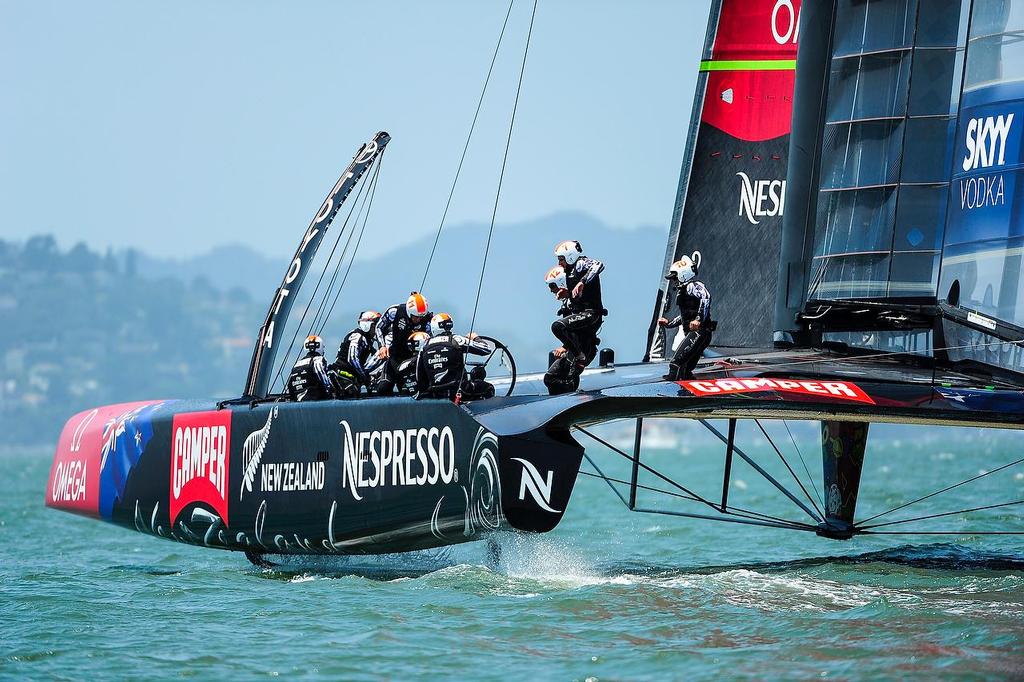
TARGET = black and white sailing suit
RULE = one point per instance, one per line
(308, 379)
(441, 369)
(355, 361)
(576, 327)
(694, 301)
(393, 330)
(580, 318)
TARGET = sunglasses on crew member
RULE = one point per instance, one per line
(552, 286)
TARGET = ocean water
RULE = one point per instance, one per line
(608, 595)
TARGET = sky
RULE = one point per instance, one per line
(175, 127)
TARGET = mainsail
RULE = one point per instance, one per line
(732, 187)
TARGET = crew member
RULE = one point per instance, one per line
(559, 378)
(308, 379)
(694, 302)
(405, 373)
(392, 334)
(441, 367)
(351, 369)
(582, 311)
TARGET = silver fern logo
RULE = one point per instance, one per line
(252, 453)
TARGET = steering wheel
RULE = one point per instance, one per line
(504, 356)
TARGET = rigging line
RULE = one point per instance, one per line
(368, 205)
(731, 510)
(793, 473)
(504, 161)
(606, 479)
(785, 422)
(746, 513)
(344, 251)
(721, 518)
(465, 149)
(355, 250)
(935, 516)
(355, 209)
(305, 311)
(942, 532)
(764, 474)
(939, 492)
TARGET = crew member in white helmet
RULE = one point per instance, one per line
(582, 309)
(694, 301)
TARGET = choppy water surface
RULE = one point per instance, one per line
(608, 595)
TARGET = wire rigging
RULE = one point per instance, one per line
(793, 473)
(355, 251)
(305, 310)
(939, 492)
(504, 161)
(465, 148)
(356, 227)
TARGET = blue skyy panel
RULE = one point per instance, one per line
(984, 231)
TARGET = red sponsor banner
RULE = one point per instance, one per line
(757, 29)
(750, 85)
(200, 447)
(833, 390)
(74, 483)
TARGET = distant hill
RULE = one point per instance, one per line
(83, 328)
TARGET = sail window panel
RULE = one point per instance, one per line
(941, 23)
(857, 221)
(995, 59)
(927, 149)
(872, 86)
(913, 274)
(995, 52)
(989, 17)
(873, 25)
(850, 276)
(920, 217)
(899, 341)
(965, 343)
(861, 154)
(990, 277)
(935, 82)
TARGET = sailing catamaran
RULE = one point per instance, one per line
(863, 192)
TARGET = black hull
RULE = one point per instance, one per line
(334, 477)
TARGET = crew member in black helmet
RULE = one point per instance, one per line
(309, 380)
(351, 369)
(441, 367)
(694, 302)
(394, 327)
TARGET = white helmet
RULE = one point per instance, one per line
(442, 323)
(570, 251)
(313, 343)
(684, 269)
(555, 278)
(416, 305)
(367, 319)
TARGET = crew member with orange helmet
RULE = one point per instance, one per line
(394, 328)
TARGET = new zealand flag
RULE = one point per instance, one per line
(124, 440)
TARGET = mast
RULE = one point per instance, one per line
(261, 367)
